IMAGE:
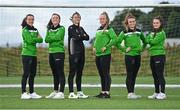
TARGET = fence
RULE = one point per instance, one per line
(10, 35)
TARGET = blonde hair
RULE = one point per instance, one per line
(107, 18)
(125, 22)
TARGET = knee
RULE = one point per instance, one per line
(32, 75)
(162, 80)
(25, 75)
(71, 75)
(79, 75)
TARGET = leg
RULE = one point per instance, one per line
(129, 61)
(159, 65)
(98, 65)
(26, 61)
(105, 62)
(59, 67)
(32, 74)
(72, 66)
(53, 69)
(155, 77)
(80, 67)
(137, 64)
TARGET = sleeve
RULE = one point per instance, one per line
(94, 43)
(47, 38)
(30, 39)
(84, 35)
(57, 37)
(148, 38)
(72, 33)
(157, 39)
(143, 40)
(113, 37)
(119, 40)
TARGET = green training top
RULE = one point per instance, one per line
(55, 38)
(156, 42)
(133, 39)
(30, 38)
(104, 38)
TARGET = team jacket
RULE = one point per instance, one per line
(104, 38)
(55, 38)
(76, 35)
(156, 42)
(134, 39)
(30, 38)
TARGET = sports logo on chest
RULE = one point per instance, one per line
(77, 31)
(102, 31)
(132, 34)
(33, 31)
(54, 30)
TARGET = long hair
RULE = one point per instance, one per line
(107, 18)
(161, 26)
(50, 24)
(161, 21)
(24, 23)
(75, 13)
(125, 22)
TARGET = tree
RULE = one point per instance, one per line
(117, 22)
(170, 16)
(173, 25)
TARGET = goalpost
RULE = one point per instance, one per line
(10, 44)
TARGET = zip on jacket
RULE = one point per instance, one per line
(30, 38)
(55, 38)
(156, 41)
(76, 36)
(104, 38)
(132, 38)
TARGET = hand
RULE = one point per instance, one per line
(39, 36)
(103, 49)
(128, 49)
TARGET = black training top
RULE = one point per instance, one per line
(76, 35)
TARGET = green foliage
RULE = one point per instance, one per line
(170, 15)
(117, 23)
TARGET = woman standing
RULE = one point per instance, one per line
(156, 40)
(105, 38)
(76, 49)
(55, 38)
(132, 39)
(31, 37)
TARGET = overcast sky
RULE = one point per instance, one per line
(11, 17)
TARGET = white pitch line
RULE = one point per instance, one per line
(89, 85)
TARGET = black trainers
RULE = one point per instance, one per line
(106, 95)
(100, 95)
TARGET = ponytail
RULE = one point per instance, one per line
(108, 20)
(76, 13)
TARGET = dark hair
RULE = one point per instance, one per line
(75, 13)
(24, 23)
(107, 18)
(128, 16)
(161, 21)
(50, 24)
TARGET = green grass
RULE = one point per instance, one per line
(88, 79)
(10, 97)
